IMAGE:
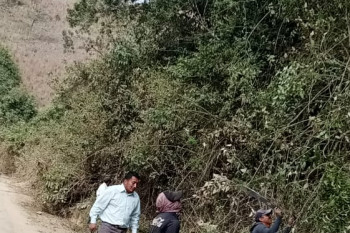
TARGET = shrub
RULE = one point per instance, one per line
(15, 104)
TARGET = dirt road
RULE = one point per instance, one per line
(17, 215)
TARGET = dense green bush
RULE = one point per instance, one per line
(9, 74)
(253, 90)
(209, 97)
(15, 104)
(16, 107)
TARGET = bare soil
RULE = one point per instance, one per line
(32, 31)
(19, 214)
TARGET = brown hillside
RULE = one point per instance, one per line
(32, 30)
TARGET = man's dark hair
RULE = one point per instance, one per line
(130, 174)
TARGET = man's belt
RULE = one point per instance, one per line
(116, 226)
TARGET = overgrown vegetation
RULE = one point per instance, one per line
(205, 96)
(15, 106)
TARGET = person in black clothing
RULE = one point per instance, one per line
(168, 207)
(263, 222)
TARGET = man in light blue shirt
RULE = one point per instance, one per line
(118, 207)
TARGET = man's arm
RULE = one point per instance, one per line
(135, 216)
(100, 204)
(101, 189)
(275, 225)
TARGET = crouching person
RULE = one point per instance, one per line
(263, 222)
(168, 208)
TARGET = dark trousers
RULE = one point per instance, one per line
(109, 228)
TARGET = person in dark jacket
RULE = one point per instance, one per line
(263, 222)
(168, 208)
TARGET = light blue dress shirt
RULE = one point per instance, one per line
(116, 206)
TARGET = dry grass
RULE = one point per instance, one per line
(7, 162)
(32, 30)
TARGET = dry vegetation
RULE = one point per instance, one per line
(205, 96)
(32, 30)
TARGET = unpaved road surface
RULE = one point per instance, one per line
(17, 215)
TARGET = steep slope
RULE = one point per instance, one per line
(32, 30)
